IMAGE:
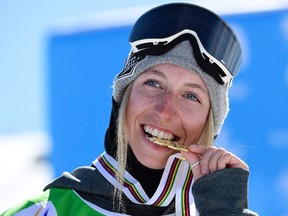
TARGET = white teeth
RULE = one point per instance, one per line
(155, 132)
(170, 137)
(161, 134)
(158, 133)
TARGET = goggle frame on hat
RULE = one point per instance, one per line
(151, 45)
(215, 46)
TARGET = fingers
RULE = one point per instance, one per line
(211, 159)
(224, 160)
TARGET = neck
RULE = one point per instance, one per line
(148, 178)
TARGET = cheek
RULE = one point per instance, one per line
(138, 101)
(135, 107)
(194, 125)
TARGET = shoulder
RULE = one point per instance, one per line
(53, 202)
(83, 179)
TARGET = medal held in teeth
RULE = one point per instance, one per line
(169, 143)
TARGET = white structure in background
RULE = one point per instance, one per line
(24, 167)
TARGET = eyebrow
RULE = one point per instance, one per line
(195, 85)
(191, 85)
(159, 73)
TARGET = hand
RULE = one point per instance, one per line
(211, 159)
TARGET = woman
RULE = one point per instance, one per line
(169, 104)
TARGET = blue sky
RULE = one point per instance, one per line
(24, 28)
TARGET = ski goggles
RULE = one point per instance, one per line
(215, 46)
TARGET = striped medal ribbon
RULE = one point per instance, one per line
(176, 181)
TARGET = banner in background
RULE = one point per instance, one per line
(82, 66)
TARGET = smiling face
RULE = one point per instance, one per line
(169, 102)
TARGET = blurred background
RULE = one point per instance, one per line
(57, 63)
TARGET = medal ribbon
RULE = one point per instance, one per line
(176, 180)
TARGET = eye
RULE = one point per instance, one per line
(152, 83)
(191, 96)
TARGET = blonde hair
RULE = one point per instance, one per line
(206, 139)
(122, 147)
(207, 136)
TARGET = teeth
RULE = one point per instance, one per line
(158, 133)
(170, 136)
(161, 134)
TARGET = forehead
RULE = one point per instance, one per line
(168, 71)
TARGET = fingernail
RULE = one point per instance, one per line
(193, 145)
(204, 170)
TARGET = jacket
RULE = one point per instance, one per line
(86, 191)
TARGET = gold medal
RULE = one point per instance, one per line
(168, 143)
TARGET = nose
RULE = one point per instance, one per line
(167, 106)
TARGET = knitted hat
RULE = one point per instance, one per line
(183, 56)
